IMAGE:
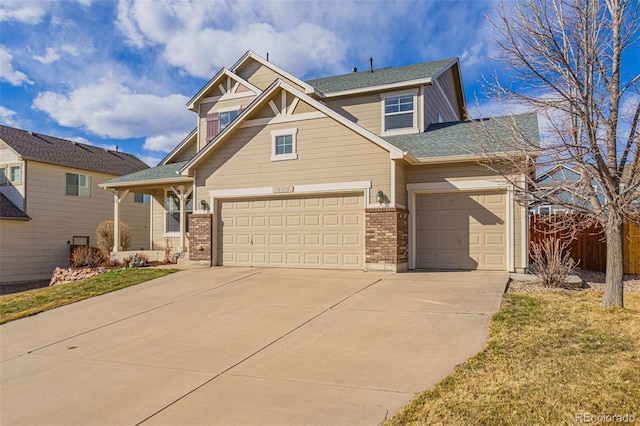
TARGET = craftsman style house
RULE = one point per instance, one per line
(50, 199)
(372, 170)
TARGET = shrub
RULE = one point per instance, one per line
(104, 233)
(87, 256)
(552, 262)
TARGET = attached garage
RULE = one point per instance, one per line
(294, 231)
(461, 230)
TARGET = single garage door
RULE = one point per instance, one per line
(299, 232)
(462, 230)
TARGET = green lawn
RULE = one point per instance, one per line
(550, 358)
(27, 303)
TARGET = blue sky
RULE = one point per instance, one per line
(120, 72)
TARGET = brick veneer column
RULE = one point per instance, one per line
(200, 238)
(386, 239)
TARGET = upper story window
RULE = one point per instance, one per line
(399, 112)
(11, 174)
(79, 185)
(15, 174)
(219, 120)
(283, 144)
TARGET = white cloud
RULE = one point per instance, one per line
(8, 117)
(150, 160)
(164, 143)
(52, 55)
(28, 12)
(109, 109)
(200, 37)
(8, 73)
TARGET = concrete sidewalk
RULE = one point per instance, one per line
(245, 346)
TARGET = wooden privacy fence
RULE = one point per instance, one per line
(588, 247)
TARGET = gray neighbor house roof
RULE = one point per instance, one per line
(379, 77)
(62, 152)
(162, 172)
(8, 210)
(464, 138)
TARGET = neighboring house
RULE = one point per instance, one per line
(50, 199)
(560, 189)
(373, 170)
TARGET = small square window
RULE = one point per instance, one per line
(399, 112)
(284, 145)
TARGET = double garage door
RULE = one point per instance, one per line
(303, 232)
(462, 230)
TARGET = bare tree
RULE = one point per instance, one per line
(569, 62)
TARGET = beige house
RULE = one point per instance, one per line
(50, 199)
(371, 170)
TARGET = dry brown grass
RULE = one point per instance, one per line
(550, 357)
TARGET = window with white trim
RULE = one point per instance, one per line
(15, 174)
(399, 111)
(78, 185)
(284, 144)
(219, 120)
(172, 207)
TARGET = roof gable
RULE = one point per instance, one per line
(224, 85)
(364, 81)
(250, 57)
(62, 152)
(278, 104)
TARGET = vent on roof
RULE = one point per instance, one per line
(355, 69)
(371, 64)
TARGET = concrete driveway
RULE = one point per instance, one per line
(245, 346)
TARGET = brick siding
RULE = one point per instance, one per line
(386, 236)
(200, 234)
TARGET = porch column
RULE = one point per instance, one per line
(183, 218)
(182, 197)
(118, 197)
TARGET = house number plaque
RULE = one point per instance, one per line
(282, 189)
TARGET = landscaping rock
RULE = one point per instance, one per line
(67, 275)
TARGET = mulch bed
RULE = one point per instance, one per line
(594, 281)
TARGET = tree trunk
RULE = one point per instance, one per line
(614, 287)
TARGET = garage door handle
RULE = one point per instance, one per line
(251, 241)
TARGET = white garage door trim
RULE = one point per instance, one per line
(452, 186)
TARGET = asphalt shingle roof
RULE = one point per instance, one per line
(49, 149)
(467, 137)
(165, 171)
(8, 210)
(379, 77)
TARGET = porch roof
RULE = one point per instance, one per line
(159, 175)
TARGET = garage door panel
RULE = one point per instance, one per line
(326, 231)
(461, 230)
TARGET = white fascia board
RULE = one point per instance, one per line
(379, 88)
(215, 81)
(308, 89)
(177, 179)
